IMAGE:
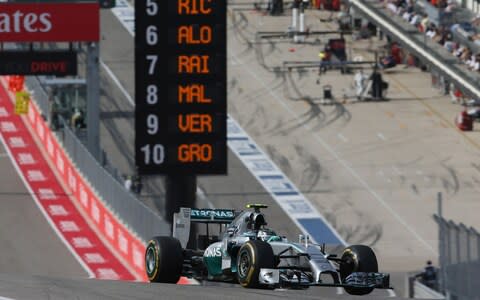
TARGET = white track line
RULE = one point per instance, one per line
(118, 83)
(391, 293)
(381, 136)
(42, 210)
(342, 137)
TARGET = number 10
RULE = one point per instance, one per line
(156, 154)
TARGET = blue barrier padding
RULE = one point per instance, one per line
(319, 231)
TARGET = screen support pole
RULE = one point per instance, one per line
(93, 100)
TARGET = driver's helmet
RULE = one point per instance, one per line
(256, 221)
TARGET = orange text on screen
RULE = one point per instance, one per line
(193, 64)
(189, 153)
(194, 7)
(195, 123)
(189, 34)
(193, 93)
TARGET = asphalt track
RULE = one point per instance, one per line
(51, 288)
(28, 245)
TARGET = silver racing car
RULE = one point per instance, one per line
(255, 256)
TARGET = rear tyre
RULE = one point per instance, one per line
(358, 258)
(163, 259)
(253, 256)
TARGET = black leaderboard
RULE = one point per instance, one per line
(180, 87)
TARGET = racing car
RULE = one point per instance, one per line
(255, 256)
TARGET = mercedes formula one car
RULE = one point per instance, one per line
(255, 256)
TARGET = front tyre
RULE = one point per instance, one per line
(358, 258)
(163, 259)
(253, 256)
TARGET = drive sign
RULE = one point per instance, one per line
(49, 22)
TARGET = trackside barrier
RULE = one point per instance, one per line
(129, 246)
(139, 218)
(424, 292)
(459, 260)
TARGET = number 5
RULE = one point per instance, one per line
(152, 7)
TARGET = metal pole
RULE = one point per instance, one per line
(301, 38)
(180, 192)
(93, 99)
(439, 202)
(441, 243)
(294, 19)
(468, 274)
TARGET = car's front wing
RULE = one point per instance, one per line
(356, 280)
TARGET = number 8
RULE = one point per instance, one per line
(152, 97)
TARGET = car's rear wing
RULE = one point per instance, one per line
(186, 215)
(216, 216)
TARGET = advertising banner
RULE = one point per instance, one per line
(49, 22)
(40, 62)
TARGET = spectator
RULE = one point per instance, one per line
(431, 30)
(54, 112)
(458, 52)
(423, 23)
(449, 44)
(137, 184)
(465, 56)
(387, 62)
(476, 20)
(451, 5)
(128, 183)
(77, 119)
(429, 275)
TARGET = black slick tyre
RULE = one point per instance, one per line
(253, 256)
(163, 259)
(358, 258)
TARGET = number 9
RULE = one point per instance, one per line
(152, 124)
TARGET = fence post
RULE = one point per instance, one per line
(410, 288)
(441, 244)
(469, 259)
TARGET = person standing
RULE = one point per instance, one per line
(128, 183)
(429, 275)
(137, 184)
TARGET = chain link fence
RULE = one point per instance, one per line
(136, 215)
(459, 249)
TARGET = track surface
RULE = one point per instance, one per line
(28, 244)
(43, 288)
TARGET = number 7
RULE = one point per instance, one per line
(153, 61)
